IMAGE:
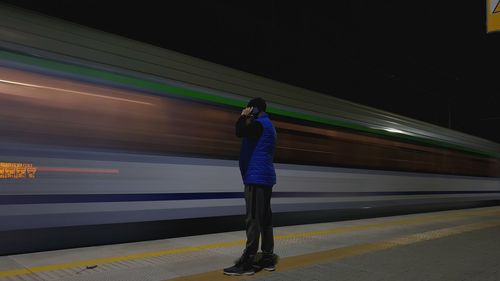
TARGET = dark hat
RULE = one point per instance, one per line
(260, 103)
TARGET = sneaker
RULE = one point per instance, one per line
(267, 262)
(243, 266)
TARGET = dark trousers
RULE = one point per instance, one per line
(259, 219)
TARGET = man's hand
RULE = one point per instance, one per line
(246, 111)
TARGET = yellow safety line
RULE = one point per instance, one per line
(455, 215)
(407, 221)
(348, 251)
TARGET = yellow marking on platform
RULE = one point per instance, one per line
(493, 16)
(348, 251)
(105, 260)
(454, 215)
(408, 221)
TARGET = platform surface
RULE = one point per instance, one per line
(450, 245)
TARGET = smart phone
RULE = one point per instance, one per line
(255, 111)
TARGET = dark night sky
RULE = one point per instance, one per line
(420, 59)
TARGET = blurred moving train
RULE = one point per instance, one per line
(105, 140)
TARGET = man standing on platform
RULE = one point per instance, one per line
(257, 170)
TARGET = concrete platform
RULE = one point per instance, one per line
(451, 245)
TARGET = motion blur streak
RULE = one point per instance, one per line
(96, 116)
(77, 170)
(67, 91)
(135, 142)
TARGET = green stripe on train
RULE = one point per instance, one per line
(199, 95)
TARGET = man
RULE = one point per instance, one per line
(257, 171)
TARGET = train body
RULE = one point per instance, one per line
(105, 140)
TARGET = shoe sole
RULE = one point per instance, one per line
(239, 274)
(256, 267)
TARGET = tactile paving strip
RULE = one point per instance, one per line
(218, 251)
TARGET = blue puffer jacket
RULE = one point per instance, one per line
(256, 156)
